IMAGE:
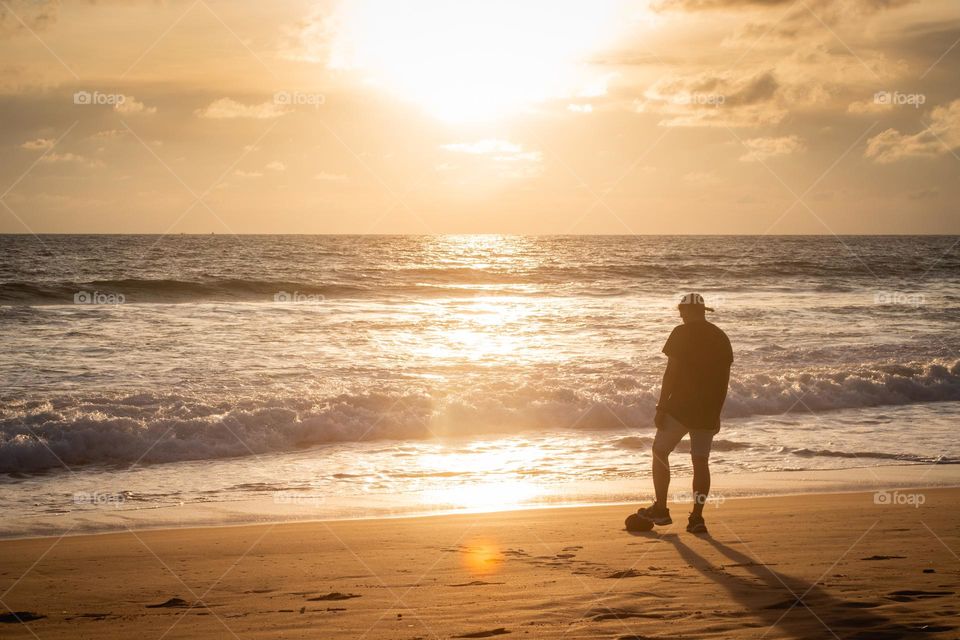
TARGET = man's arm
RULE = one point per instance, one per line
(666, 388)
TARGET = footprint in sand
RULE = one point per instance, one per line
(475, 583)
(910, 595)
(614, 613)
(172, 603)
(92, 616)
(336, 595)
(20, 616)
(629, 573)
(860, 605)
(485, 634)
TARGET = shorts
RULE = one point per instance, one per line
(667, 438)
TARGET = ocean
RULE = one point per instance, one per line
(261, 377)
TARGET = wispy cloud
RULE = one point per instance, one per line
(726, 100)
(939, 137)
(38, 145)
(760, 149)
(511, 160)
(500, 150)
(130, 105)
(230, 108)
(70, 158)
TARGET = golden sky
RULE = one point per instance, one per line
(456, 116)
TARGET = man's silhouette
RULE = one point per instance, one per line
(691, 397)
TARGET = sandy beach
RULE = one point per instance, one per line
(811, 566)
(410, 319)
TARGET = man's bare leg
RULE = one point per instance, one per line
(701, 483)
(661, 476)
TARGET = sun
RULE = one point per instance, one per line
(475, 60)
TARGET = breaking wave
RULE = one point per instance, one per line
(115, 429)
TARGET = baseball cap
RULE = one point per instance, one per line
(693, 300)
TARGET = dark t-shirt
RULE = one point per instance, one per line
(704, 356)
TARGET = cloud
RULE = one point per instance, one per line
(703, 5)
(275, 166)
(715, 100)
(490, 145)
(499, 150)
(700, 5)
(597, 87)
(229, 108)
(759, 149)
(69, 158)
(131, 105)
(941, 136)
(38, 145)
(928, 40)
(511, 160)
(310, 39)
(801, 19)
(108, 133)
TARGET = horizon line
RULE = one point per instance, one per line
(493, 233)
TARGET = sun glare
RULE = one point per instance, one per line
(482, 557)
(498, 489)
(469, 61)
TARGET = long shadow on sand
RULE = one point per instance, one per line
(793, 606)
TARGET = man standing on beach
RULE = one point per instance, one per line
(691, 397)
